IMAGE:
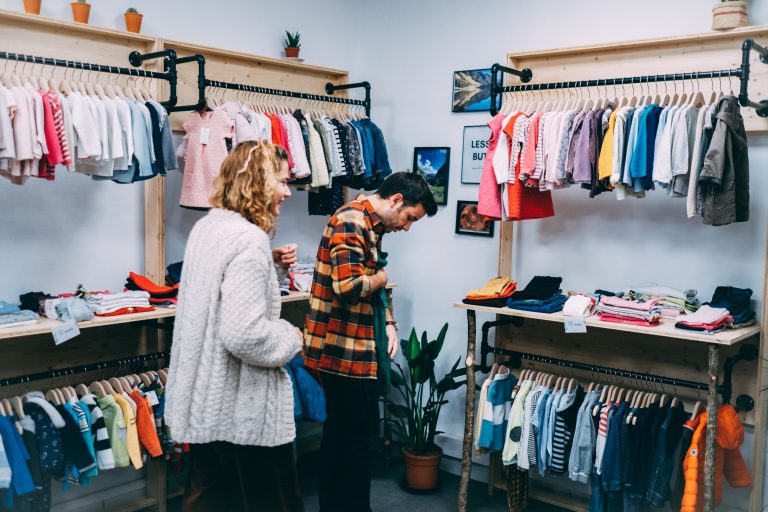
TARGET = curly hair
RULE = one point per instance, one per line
(247, 181)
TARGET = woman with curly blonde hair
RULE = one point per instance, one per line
(227, 394)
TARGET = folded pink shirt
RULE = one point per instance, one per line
(622, 303)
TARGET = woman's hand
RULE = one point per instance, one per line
(285, 256)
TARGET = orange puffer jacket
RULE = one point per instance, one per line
(729, 464)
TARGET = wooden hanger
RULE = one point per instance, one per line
(494, 370)
(97, 388)
(116, 385)
(163, 376)
(674, 401)
(696, 408)
(601, 400)
(7, 407)
(108, 387)
(145, 379)
(18, 406)
(52, 397)
(81, 390)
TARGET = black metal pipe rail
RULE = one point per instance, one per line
(742, 73)
(135, 58)
(331, 88)
(744, 101)
(200, 59)
(90, 367)
(288, 94)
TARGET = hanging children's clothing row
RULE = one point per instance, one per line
(635, 449)
(73, 434)
(102, 132)
(325, 152)
(695, 150)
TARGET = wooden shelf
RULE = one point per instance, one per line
(45, 325)
(59, 25)
(666, 329)
(134, 505)
(560, 499)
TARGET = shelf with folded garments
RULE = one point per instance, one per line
(666, 327)
(46, 325)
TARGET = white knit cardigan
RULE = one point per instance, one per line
(226, 381)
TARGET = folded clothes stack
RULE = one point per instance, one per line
(614, 309)
(707, 320)
(738, 303)
(114, 304)
(541, 295)
(67, 308)
(579, 305)
(493, 294)
(13, 316)
(300, 277)
(158, 295)
(673, 301)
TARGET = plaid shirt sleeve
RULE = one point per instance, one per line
(347, 247)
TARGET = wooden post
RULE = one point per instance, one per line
(709, 455)
(469, 417)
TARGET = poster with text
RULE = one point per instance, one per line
(473, 153)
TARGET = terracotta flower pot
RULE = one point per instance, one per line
(133, 22)
(81, 11)
(731, 14)
(32, 6)
(421, 471)
(292, 52)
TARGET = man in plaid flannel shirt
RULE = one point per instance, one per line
(339, 340)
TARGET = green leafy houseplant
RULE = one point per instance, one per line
(292, 40)
(131, 10)
(422, 394)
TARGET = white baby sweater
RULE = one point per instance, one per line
(226, 381)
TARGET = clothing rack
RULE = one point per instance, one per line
(742, 72)
(135, 58)
(746, 353)
(329, 87)
(85, 368)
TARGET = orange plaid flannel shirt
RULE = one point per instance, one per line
(338, 333)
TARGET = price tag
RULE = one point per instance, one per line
(65, 332)
(575, 324)
(205, 134)
(152, 396)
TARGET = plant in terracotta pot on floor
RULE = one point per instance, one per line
(81, 11)
(729, 14)
(292, 45)
(416, 406)
(133, 20)
(32, 6)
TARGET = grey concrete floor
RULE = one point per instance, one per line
(387, 495)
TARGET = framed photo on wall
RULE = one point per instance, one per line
(473, 151)
(433, 163)
(469, 222)
(472, 90)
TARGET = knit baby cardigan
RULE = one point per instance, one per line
(225, 381)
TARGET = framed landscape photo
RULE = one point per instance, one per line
(469, 222)
(472, 90)
(473, 152)
(433, 163)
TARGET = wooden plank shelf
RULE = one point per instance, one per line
(559, 499)
(666, 328)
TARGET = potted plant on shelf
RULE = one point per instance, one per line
(292, 45)
(415, 420)
(81, 10)
(729, 14)
(32, 6)
(133, 20)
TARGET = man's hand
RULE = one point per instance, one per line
(379, 280)
(393, 341)
(285, 256)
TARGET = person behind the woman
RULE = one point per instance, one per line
(228, 395)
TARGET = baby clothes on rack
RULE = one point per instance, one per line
(630, 150)
(107, 137)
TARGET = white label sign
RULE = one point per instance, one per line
(205, 134)
(575, 324)
(65, 332)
